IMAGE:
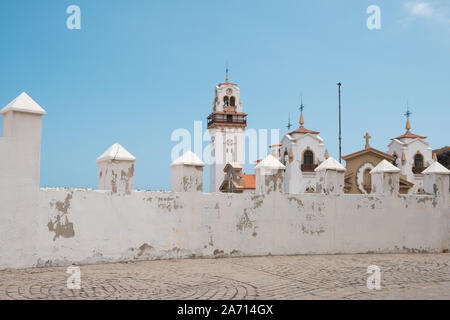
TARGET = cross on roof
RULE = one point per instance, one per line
(289, 125)
(407, 113)
(367, 137)
(301, 105)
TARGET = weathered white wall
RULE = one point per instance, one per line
(91, 226)
(41, 227)
(19, 186)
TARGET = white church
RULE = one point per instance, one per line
(300, 151)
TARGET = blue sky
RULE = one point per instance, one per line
(137, 70)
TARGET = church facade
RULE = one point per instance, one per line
(302, 150)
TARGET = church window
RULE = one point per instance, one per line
(308, 158)
(226, 101)
(418, 164)
(418, 161)
(232, 101)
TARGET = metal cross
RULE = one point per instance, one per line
(289, 125)
(408, 113)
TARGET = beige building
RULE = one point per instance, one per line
(359, 164)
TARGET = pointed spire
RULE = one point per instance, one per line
(326, 154)
(302, 120)
(226, 74)
(407, 115)
(435, 156)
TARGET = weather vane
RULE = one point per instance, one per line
(289, 125)
(301, 104)
(226, 72)
(408, 113)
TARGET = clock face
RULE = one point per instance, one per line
(229, 142)
(229, 91)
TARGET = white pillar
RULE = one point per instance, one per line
(269, 175)
(20, 147)
(187, 173)
(436, 180)
(116, 170)
(330, 175)
(385, 179)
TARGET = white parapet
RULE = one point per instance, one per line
(436, 180)
(330, 177)
(116, 170)
(20, 148)
(385, 179)
(187, 173)
(269, 175)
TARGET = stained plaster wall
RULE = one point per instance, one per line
(91, 226)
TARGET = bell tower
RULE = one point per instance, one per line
(226, 125)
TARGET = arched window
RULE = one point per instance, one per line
(308, 161)
(308, 158)
(418, 161)
(418, 164)
(232, 101)
(225, 101)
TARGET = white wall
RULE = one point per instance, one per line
(41, 227)
(91, 226)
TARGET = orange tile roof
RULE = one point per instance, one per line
(302, 129)
(409, 135)
(249, 181)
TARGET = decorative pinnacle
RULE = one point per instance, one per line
(435, 156)
(289, 125)
(226, 74)
(407, 115)
(302, 120)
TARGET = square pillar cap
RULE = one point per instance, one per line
(330, 164)
(188, 159)
(385, 167)
(23, 103)
(436, 168)
(116, 152)
(270, 162)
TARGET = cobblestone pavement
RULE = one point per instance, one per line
(403, 276)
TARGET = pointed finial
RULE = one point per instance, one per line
(435, 156)
(407, 115)
(302, 120)
(289, 125)
(326, 154)
(226, 74)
